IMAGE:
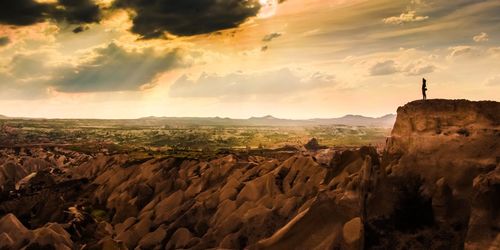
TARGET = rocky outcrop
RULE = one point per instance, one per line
(332, 221)
(17, 163)
(313, 145)
(441, 162)
(484, 222)
(226, 203)
(15, 236)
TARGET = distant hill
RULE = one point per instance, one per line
(349, 120)
(386, 121)
(358, 120)
(267, 117)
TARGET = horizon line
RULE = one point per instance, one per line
(192, 117)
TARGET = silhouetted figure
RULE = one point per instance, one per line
(424, 88)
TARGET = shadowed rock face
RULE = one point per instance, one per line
(442, 160)
(436, 186)
(230, 202)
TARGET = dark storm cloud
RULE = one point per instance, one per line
(151, 18)
(22, 12)
(116, 69)
(77, 11)
(4, 41)
(28, 12)
(187, 17)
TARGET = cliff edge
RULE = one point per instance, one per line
(456, 139)
(427, 125)
(443, 178)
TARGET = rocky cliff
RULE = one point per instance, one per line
(436, 186)
(441, 168)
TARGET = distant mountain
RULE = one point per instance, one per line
(268, 120)
(386, 121)
(358, 120)
(267, 117)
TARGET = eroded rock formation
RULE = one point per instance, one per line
(441, 163)
(436, 186)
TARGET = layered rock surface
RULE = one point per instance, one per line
(436, 186)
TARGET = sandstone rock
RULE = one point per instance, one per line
(252, 190)
(152, 239)
(129, 237)
(166, 209)
(121, 227)
(441, 200)
(436, 149)
(289, 205)
(312, 144)
(16, 235)
(103, 230)
(14, 228)
(48, 237)
(224, 210)
(6, 242)
(230, 189)
(134, 233)
(108, 243)
(484, 220)
(352, 233)
(195, 188)
(323, 221)
(231, 241)
(180, 239)
(144, 225)
(58, 228)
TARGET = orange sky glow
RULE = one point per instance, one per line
(243, 58)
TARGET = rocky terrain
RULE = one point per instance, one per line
(436, 185)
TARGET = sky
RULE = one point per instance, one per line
(241, 58)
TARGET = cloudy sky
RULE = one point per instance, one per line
(242, 58)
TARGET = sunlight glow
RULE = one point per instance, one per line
(268, 8)
(46, 1)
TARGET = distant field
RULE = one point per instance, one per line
(142, 133)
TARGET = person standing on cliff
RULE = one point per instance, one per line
(424, 88)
